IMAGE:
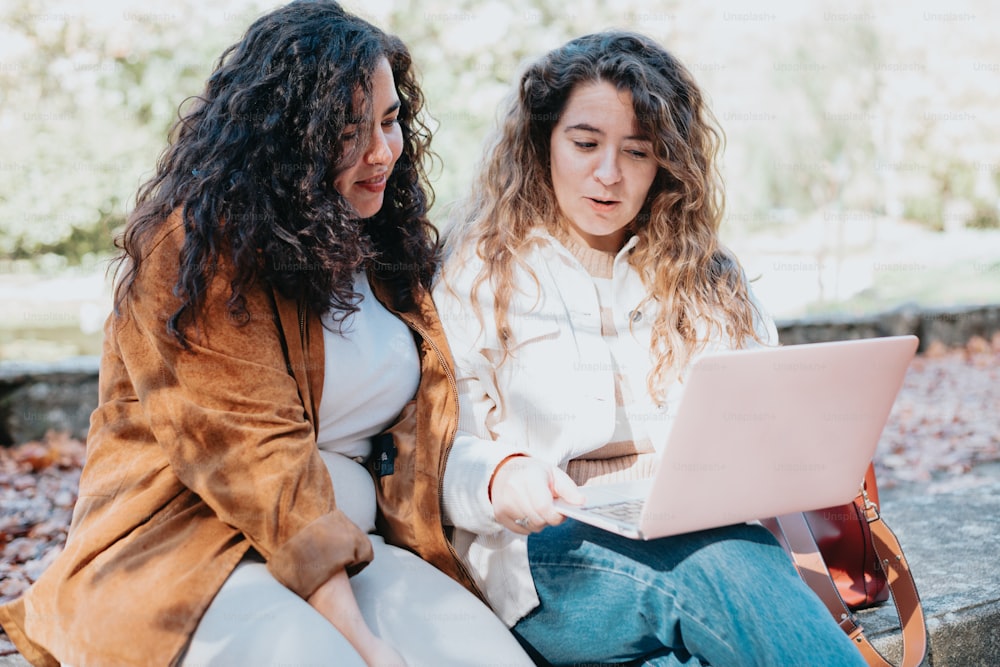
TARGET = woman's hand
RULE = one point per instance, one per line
(335, 600)
(523, 492)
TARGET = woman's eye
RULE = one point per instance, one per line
(350, 131)
(389, 122)
(584, 144)
(638, 154)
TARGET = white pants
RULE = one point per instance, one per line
(428, 617)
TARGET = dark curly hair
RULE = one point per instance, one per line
(251, 166)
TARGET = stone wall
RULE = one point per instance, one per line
(35, 398)
(38, 397)
(949, 326)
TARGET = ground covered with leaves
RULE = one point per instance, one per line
(944, 422)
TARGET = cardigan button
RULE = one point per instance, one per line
(635, 315)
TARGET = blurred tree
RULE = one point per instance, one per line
(88, 95)
(888, 107)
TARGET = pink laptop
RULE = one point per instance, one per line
(760, 433)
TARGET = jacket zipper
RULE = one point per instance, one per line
(446, 451)
(302, 323)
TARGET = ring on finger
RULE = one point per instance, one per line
(523, 522)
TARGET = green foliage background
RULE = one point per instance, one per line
(889, 108)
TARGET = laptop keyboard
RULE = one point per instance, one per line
(627, 511)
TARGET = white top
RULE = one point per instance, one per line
(372, 371)
(629, 453)
(554, 397)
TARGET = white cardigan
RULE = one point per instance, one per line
(553, 397)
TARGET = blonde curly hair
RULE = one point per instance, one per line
(691, 277)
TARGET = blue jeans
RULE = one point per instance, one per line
(722, 597)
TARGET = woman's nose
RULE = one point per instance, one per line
(608, 171)
(378, 151)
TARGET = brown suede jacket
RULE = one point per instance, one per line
(194, 457)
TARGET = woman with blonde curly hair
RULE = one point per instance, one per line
(582, 277)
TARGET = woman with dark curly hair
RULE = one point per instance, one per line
(272, 318)
(584, 276)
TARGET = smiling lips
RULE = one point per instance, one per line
(375, 183)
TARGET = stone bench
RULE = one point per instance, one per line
(950, 531)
